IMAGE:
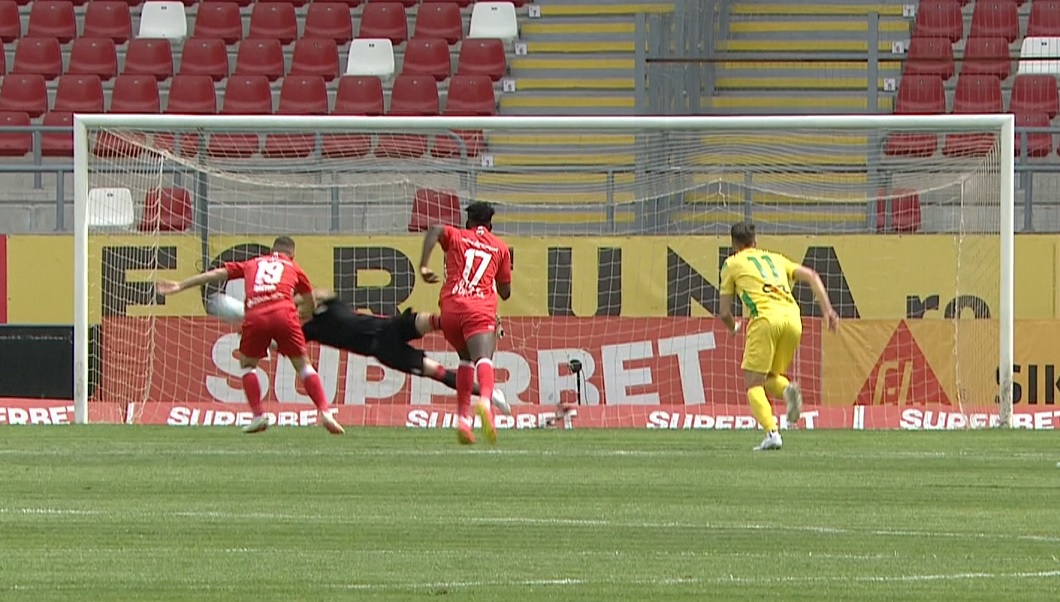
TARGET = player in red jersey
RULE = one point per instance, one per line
(271, 315)
(475, 261)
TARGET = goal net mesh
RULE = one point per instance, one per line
(617, 237)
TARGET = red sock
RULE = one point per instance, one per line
(465, 379)
(484, 371)
(315, 388)
(252, 389)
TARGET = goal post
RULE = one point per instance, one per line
(657, 176)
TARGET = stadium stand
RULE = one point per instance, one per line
(219, 20)
(107, 19)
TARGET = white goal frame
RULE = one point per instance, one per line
(1002, 123)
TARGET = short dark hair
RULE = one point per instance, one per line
(743, 235)
(283, 244)
(480, 213)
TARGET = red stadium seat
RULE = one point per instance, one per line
(52, 19)
(904, 208)
(244, 95)
(350, 3)
(355, 96)
(917, 95)
(929, 56)
(135, 94)
(275, 20)
(1039, 144)
(3, 59)
(238, 2)
(166, 210)
(58, 144)
(219, 20)
(316, 56)
(412, 95)
(460, 3)
(430, 207)
(205, 56)
(427, 56)
(384, 20)
(987, 56)
(10, 25)
(471, 95)
(108, 19)
(406, 3)
(295, 3)
(1034, 94)
(94, 56)
(149, 56)
(1044, 21)
(482, 56)
(188, 95)
(41, 56)
(995, 19)
(15, 144)
(24, 93)
(79, 94)
(939, 19)
(299, 95)
(975, 94)
(329, 20)
(440, 20)
(260, 57)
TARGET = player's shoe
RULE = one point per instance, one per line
(771, 442)
(501, 403)
(464, 433)
(257, 425)
(793, 399)
(331, 424)
(485, 414)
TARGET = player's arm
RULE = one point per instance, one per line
(504, 276)
(728, 291)
(810, 277)
(214, 276)
(430, 240)
(304, 298)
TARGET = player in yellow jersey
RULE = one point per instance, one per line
(763, 282)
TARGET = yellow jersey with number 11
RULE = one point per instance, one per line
(762, 281)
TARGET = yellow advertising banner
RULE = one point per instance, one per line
(869, 277)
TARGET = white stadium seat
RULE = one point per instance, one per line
(371, 56)
(111, 208)
(494, 20)
(163, 20)
(1040, 47)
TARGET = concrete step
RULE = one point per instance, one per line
(586, 82)
(797, 45)
(793, 103)
(892, 8)
(568, 8)
(559, 103)
(748, 26)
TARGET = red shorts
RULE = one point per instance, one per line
(459, 327)
(259, 330)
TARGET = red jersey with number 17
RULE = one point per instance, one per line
(271, 282)
(474, 260)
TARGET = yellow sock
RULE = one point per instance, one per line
(775, 385)
(760, 408)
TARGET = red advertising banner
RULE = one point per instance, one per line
(53, 411)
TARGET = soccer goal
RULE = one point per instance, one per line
(618, 227)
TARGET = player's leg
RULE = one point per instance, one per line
(757, 360)
(290, 341)
(253, 345)
(465, 376)
(481, 344)
(787, 342)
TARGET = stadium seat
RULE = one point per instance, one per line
(79, 94)
(939, 19)
(244, 95)
(355, 96)
(10, 24)
(107, 19)
(350, 3)
(904, 207)
(1039, 55)
(316, 56)
(163, 20)
(427, 56)
(149, 56)
(25, 93)
(94, 56)
(111, 209)
(1035, 94)
(219, 20)
(929, 56)
(494, 20)
(275, 20)
(57, 144)
(166, 210)
(384, 20)
(40, 56)
(440, 20)
(371, 57)
(294, 3)
(52, 19)
(299, 95)
(987, 56)
(411, 95)
(975, 94)
(460, 3)
(406, 3)
(483, 56)
(431, 207)
(15, 144)
(188, 95)
(917, 95)
(329, 20)
(471, 95)
(1039, 144)
(1044, 21)
(240, 3)
(260, 56)
(995, 19)
(205, 56)
(3, 59)
(135, 94)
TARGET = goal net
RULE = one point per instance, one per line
(618, 228)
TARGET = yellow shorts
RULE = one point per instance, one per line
(770, 344)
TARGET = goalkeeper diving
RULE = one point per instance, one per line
(385, 338)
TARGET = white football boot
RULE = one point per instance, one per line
(501, 403)
(793, 399)
(257, 425)
(771, 442)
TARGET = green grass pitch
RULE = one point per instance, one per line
(140, 513)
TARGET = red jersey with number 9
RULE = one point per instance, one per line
(270, 279)
(474, 260)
